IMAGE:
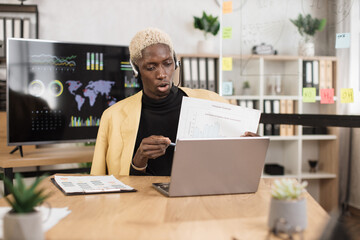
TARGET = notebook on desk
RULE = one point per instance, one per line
(216, 166)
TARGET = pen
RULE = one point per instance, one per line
(173, 144)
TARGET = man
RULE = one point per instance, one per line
(135, 134)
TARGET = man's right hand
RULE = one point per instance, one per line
(150, 148)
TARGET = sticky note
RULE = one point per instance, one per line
(227, 64)
(327, 96)
(227, 7)
(346, 95)
(342, 40)
(227, 32)
(309, 94)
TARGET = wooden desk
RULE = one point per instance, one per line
(44, 156)
(147, 214)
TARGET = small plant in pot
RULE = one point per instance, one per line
(210, 25)
(288, 206)
(307, 27)
(24, 221)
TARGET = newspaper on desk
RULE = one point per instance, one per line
(201, 118)
(73, 185)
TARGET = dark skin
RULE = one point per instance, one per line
(157, 68)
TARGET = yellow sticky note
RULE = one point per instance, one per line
(309, 94)
(227, 32)
(347, 95)
(227, 64)
(227, 7)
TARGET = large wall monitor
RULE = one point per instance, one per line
(57, 91)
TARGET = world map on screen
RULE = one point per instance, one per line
(91, 91)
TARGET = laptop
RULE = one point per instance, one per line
(216, 166)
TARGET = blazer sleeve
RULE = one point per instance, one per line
(98, 166)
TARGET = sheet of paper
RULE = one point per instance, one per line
(346, 95)
(51, 216)
(327, 96)
(309, 94)
(227, 7)
(227, 32)
(342, 40)
(209, 119)
(88, 184)
(227, 63)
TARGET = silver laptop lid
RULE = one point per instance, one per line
(217, 166)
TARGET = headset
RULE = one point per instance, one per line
(137, 72)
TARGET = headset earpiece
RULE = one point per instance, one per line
(177, 63)
(135, 70)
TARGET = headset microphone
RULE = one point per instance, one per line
(136, 73)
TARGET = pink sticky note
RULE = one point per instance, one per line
(327, 96)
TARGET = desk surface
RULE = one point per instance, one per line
(147, 214)
(46, 156)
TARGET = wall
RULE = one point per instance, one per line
(116, 21)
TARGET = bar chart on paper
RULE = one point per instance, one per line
(208, 119)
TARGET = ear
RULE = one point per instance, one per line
(177, 63)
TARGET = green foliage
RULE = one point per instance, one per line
(208, 24)
(287, 189)
(246, 84)
(308, 26)
(85, 165)
(24, 199)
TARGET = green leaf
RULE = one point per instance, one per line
(207, 23)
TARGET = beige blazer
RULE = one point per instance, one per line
(118, 130)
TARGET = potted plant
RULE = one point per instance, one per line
(288, 206)
(246, 88)
(210, 25)
(307, 27)
(23, 221)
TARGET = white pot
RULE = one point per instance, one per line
(287, 215)
(306, 49)
(23, 226)
(206, 46)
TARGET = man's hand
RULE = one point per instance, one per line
(150, 147)
(250, 134)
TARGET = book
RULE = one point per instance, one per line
(77, 185)
(315, 79)
(290, 110)
(194, 73)
(276, 110)
(329, 74)
(307, 74)
(283, 127)
(202, 73)
(268, 127)
(322, 74)
(211, 74)
(186, 72)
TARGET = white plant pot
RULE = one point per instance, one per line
(206, 46)
(306, 49)
(287, 215)
(23, 226)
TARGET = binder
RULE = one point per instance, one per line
(283, 127)
(211, 74)
(242, 103)
(186, 72)
(194, 73)
(17, 27)
(202, 73)
(26, 28)
(322, 74)
(2, 37)
(315, 70)
(9, 28)
(290, 110)
(250, 104)
(307, 74)
(267, 127)
(276, 110)
(329, 74)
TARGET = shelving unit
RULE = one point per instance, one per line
(292, 152)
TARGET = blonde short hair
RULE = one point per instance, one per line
(146, 38)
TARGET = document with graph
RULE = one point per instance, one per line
(75, 185)
(209, 119)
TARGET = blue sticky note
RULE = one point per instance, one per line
(342, 40)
